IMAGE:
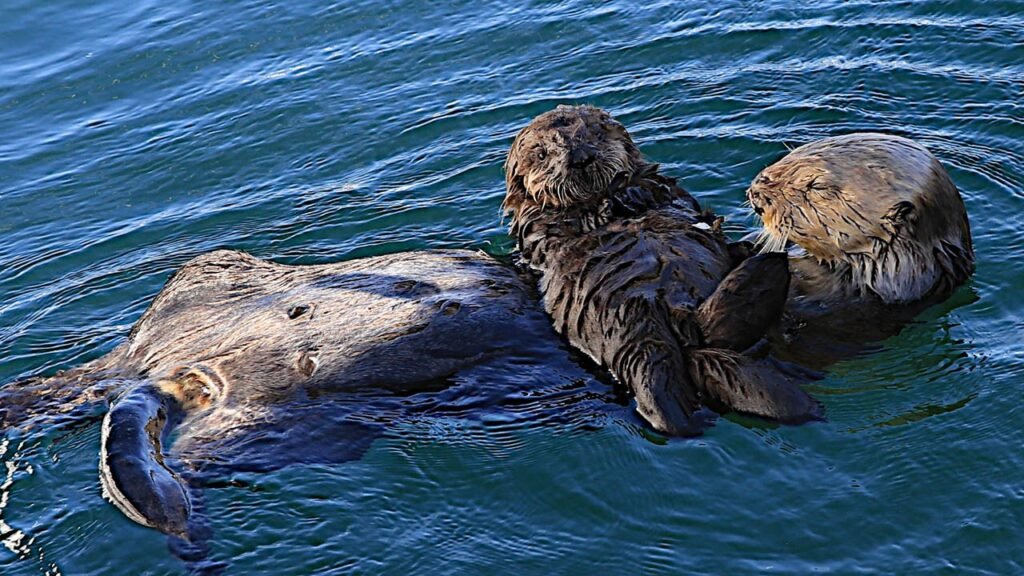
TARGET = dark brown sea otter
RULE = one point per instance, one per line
(876, 232)
(637, 277)
(237, 356)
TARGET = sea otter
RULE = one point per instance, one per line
(637, 276)
(237, 354)
(876, 232)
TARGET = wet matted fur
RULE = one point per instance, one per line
(237, 355)
(634, 274)
(876, 214)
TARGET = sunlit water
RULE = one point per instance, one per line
(137, 135)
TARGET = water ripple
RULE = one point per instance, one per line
(139, 136)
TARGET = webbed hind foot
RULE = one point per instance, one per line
(732, 381)
(133, 473)
(747, 301)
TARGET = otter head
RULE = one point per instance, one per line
(878, 209)
(567, 157)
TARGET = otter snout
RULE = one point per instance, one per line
(581, 156)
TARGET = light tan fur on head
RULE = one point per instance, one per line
(567, 157)
(878, 210)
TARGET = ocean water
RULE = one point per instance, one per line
(138, 135)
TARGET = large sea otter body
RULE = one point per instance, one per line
(235, 356)
(635, 275)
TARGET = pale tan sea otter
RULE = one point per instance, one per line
(876, 232)
(637, 277)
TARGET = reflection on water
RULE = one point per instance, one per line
(921, 412)
(11, 538)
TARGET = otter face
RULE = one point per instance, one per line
(568, 156)
(880, 206)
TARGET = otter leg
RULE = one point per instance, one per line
(133, 473)
(746, 303)
(662, 393)
(732, 381)
(650, 362)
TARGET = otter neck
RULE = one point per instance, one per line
(901, 270)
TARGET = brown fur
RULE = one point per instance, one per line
(877, 233)
(232, 342)
(625, 261)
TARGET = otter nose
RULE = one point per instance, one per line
(581, 156)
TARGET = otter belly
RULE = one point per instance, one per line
(235, 351)
(265, 328)
(660, 257)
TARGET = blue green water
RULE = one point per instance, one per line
(137, 135)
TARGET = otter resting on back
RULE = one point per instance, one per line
(236, 355)
(634, 275)
(876, 232)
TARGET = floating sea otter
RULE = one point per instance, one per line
(236, 354)
(636, 276)
(876, 232)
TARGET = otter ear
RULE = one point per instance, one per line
(633, 150)
(900, 215)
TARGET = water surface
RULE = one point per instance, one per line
(136, 136)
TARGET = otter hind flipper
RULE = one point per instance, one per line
(651, 363)
(747, 301)
(732, 381)
(133, 473)
(662, 400)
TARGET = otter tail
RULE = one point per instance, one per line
(764, 387)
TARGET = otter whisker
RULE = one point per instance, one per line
(770, 241)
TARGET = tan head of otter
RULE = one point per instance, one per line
(567, 157)
(878, 212)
